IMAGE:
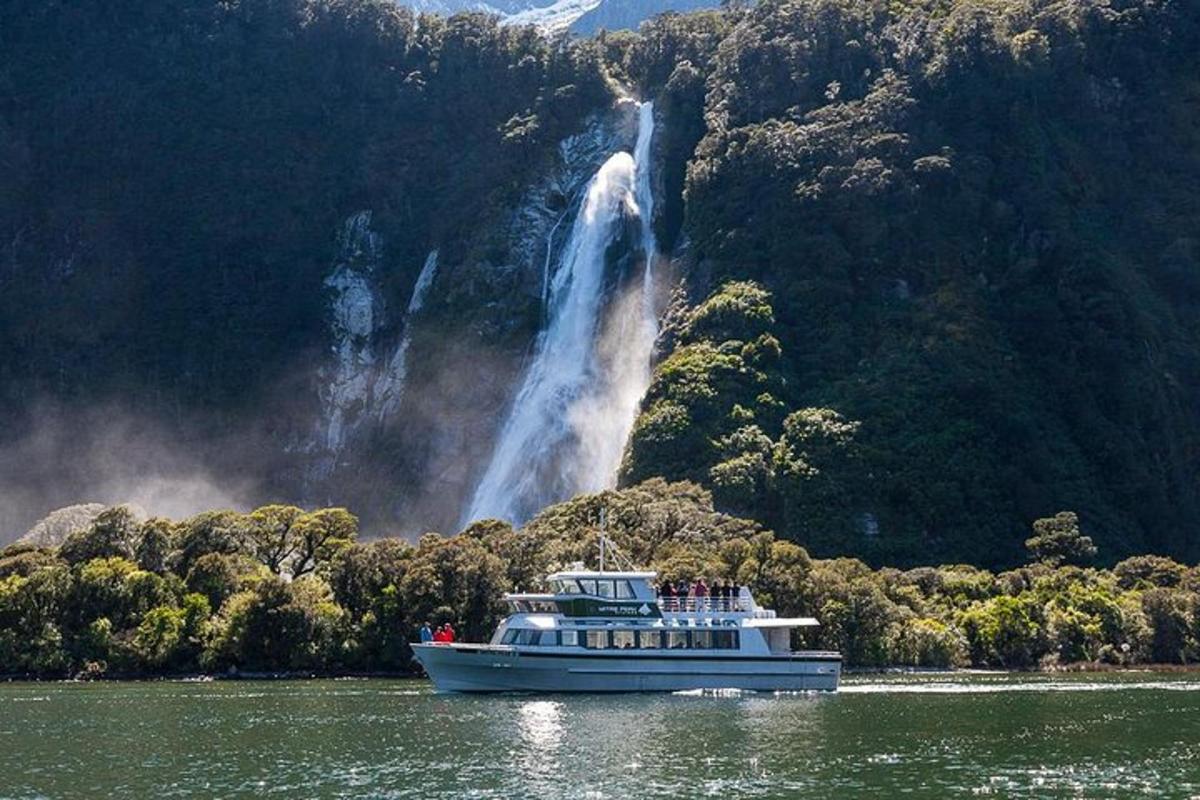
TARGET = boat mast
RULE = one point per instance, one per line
(603, 539)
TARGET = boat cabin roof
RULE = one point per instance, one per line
(591, 574)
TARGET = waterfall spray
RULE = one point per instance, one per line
(576, 404)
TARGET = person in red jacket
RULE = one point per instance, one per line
(439, 636)
(449, 632)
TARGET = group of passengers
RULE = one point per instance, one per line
(443, 635)
(700, 596)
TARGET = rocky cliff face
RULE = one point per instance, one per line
(410, 399)
(582, 17)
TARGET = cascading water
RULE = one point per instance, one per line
(576, 405)
(390, 388)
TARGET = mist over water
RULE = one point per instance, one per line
(577, 401)
(573, 409)
(106, 454)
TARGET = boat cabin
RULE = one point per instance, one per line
(601, 610)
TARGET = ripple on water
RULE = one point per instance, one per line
(933, 735)
(952, 687)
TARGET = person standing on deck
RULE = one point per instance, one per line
(664, 595)
(701, 589)
(449, 632)
(426, 634)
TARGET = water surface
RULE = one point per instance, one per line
(1129, 735)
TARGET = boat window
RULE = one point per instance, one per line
(569, 587)
(520, 606)
(527, 636)
(569, 638)
(649, 640)
(543, 606)
(588, 585)
(624, 639)
(677, 639)
(596, 640)
(624, 590)
(604, 588)
(725, 640)
(702, 640)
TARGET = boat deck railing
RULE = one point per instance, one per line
(704, 604)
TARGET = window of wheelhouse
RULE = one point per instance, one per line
(567, 586)
(624, 590)
(604, 588)
(587, 585)
(527, 636)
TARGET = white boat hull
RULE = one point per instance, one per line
(489, 668)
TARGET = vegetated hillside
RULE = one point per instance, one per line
(943, 265)
(174, 177)
(174, 174)
(283, 589)
(940, 268)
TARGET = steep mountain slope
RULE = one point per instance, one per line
(937, 260)
(176, 182)
(975, 227)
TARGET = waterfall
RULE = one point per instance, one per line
(389, 389)
(576, 404)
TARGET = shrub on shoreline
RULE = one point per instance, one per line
(286, 591)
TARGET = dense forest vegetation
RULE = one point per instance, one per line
(970, 228)
(938, 258)
(173, 174)
(283, 590)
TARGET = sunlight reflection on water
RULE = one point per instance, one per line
(926, 735)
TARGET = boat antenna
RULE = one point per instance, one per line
(608, 547)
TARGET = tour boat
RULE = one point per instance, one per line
(605, 631)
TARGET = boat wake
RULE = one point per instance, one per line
(714, 693)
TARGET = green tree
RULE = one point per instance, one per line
(1057, 540)
(158, 636)
(1004, 631)
(321, 535)
(274, 536)
(113, 534)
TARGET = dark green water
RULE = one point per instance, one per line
(1133, 735)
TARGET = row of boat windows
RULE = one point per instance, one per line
(626, 639)
(534, 606)
(617, 589)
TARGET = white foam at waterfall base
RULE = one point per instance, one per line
(576, 403)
